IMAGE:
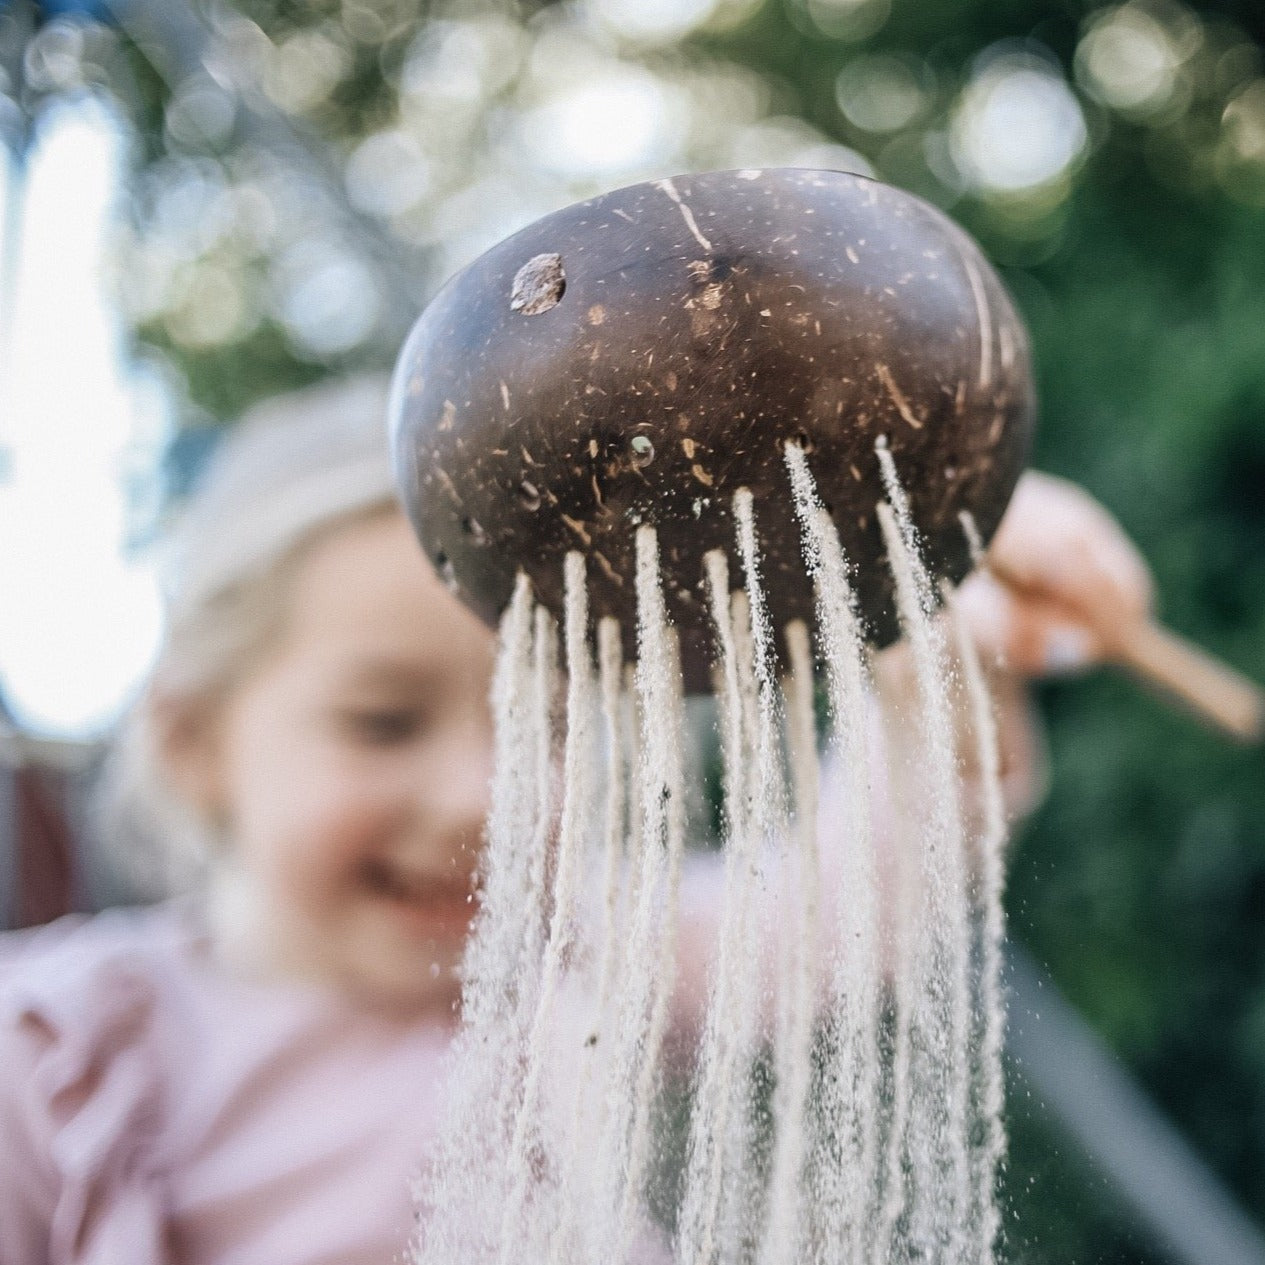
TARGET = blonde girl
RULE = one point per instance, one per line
(248, 1073)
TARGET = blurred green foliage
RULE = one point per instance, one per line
(1138, 259)
(1141, 881)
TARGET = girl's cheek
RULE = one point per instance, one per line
(328, 835)
(354, 828)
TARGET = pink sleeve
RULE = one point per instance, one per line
(79, 1101)
(28, 1179)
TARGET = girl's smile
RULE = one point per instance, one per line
(435, 906)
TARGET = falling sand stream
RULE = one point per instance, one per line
(734, 436)
(838, 1049)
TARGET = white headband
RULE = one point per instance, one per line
(291, 465)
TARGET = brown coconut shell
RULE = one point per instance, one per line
(638, 357)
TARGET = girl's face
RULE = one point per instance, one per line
(351, 770)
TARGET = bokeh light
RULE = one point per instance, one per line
(200, 114)
(82, 618)
(850, 20)
(325, 298)
(605, 125)
(1241, 151)
(388, 173)
(207, 307)
(1018, 127)
(651, 21)
(1130, 61)
(882, 92)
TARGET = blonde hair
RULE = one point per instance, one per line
(293, 468)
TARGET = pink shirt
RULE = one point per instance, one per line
(154, 1108)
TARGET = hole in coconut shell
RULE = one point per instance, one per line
(804, 441)
(538, 285)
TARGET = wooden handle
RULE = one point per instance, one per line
(1213, 689)
(1210, 688)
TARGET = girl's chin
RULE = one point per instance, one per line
(410, 974)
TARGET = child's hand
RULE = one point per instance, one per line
(1064, 573)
